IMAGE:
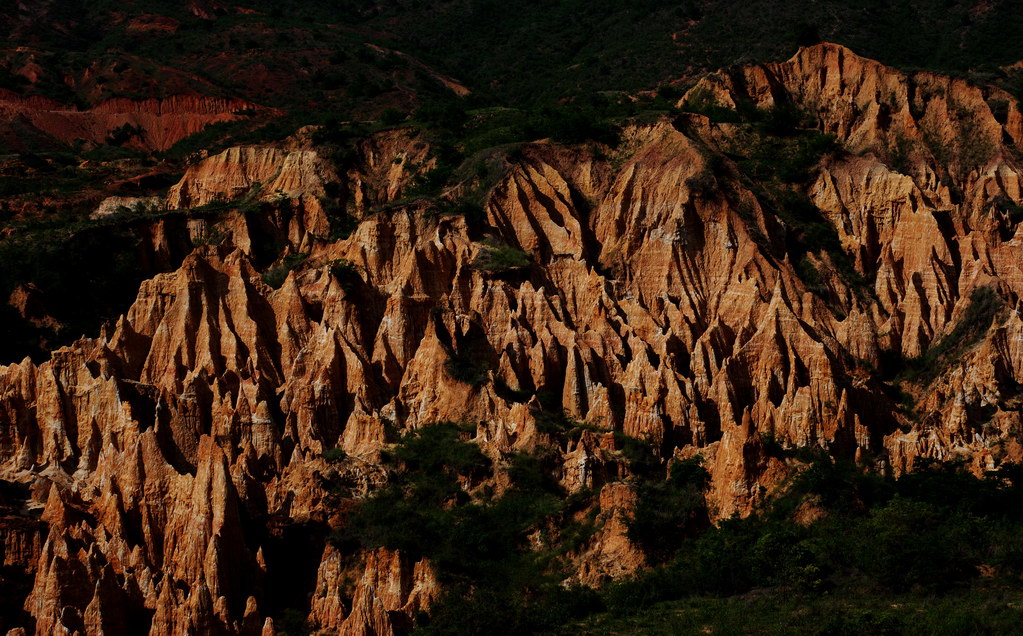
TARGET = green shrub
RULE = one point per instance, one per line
(667, 511)
(275, 276)
(466, 367)
(292, 622)
(808, 231)
(430, 184)
(123, 134)
(644, 459)
(467, 206)
(438, 448)
(342, 225)
(788, 156)
(335, 455)
(900, 154)
(667, 91)
(392, 117)
(346, 272)
(973, 144)
(554, 421)
(1012, 210)
(839, 487)
(497, 258)
(786, 120)
(478, 610)
(531, 473)
(445, 114)
(909, 544)
(571, 124)
(408, 513)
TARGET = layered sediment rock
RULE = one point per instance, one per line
(157, 124)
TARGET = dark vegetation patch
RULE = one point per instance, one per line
(82, 273)
(346, 272)
(985, 609)
(275, 276)
(1012, 210)
(927, 535)
(669, 510)
(466, 366)
(433, 506)
(495, 257)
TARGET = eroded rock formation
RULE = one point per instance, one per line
(175, 462)
(154, 124)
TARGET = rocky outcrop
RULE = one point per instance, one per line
(923, 202)
(610, 554)
(178, 456)
(121, 205)
(237, 172)
(383, 600)
(874, 108)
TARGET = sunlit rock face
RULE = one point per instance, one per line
(170, 471)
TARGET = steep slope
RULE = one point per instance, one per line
(925, 207)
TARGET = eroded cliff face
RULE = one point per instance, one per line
(175, 462)
(157, 123)
(924, 203)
